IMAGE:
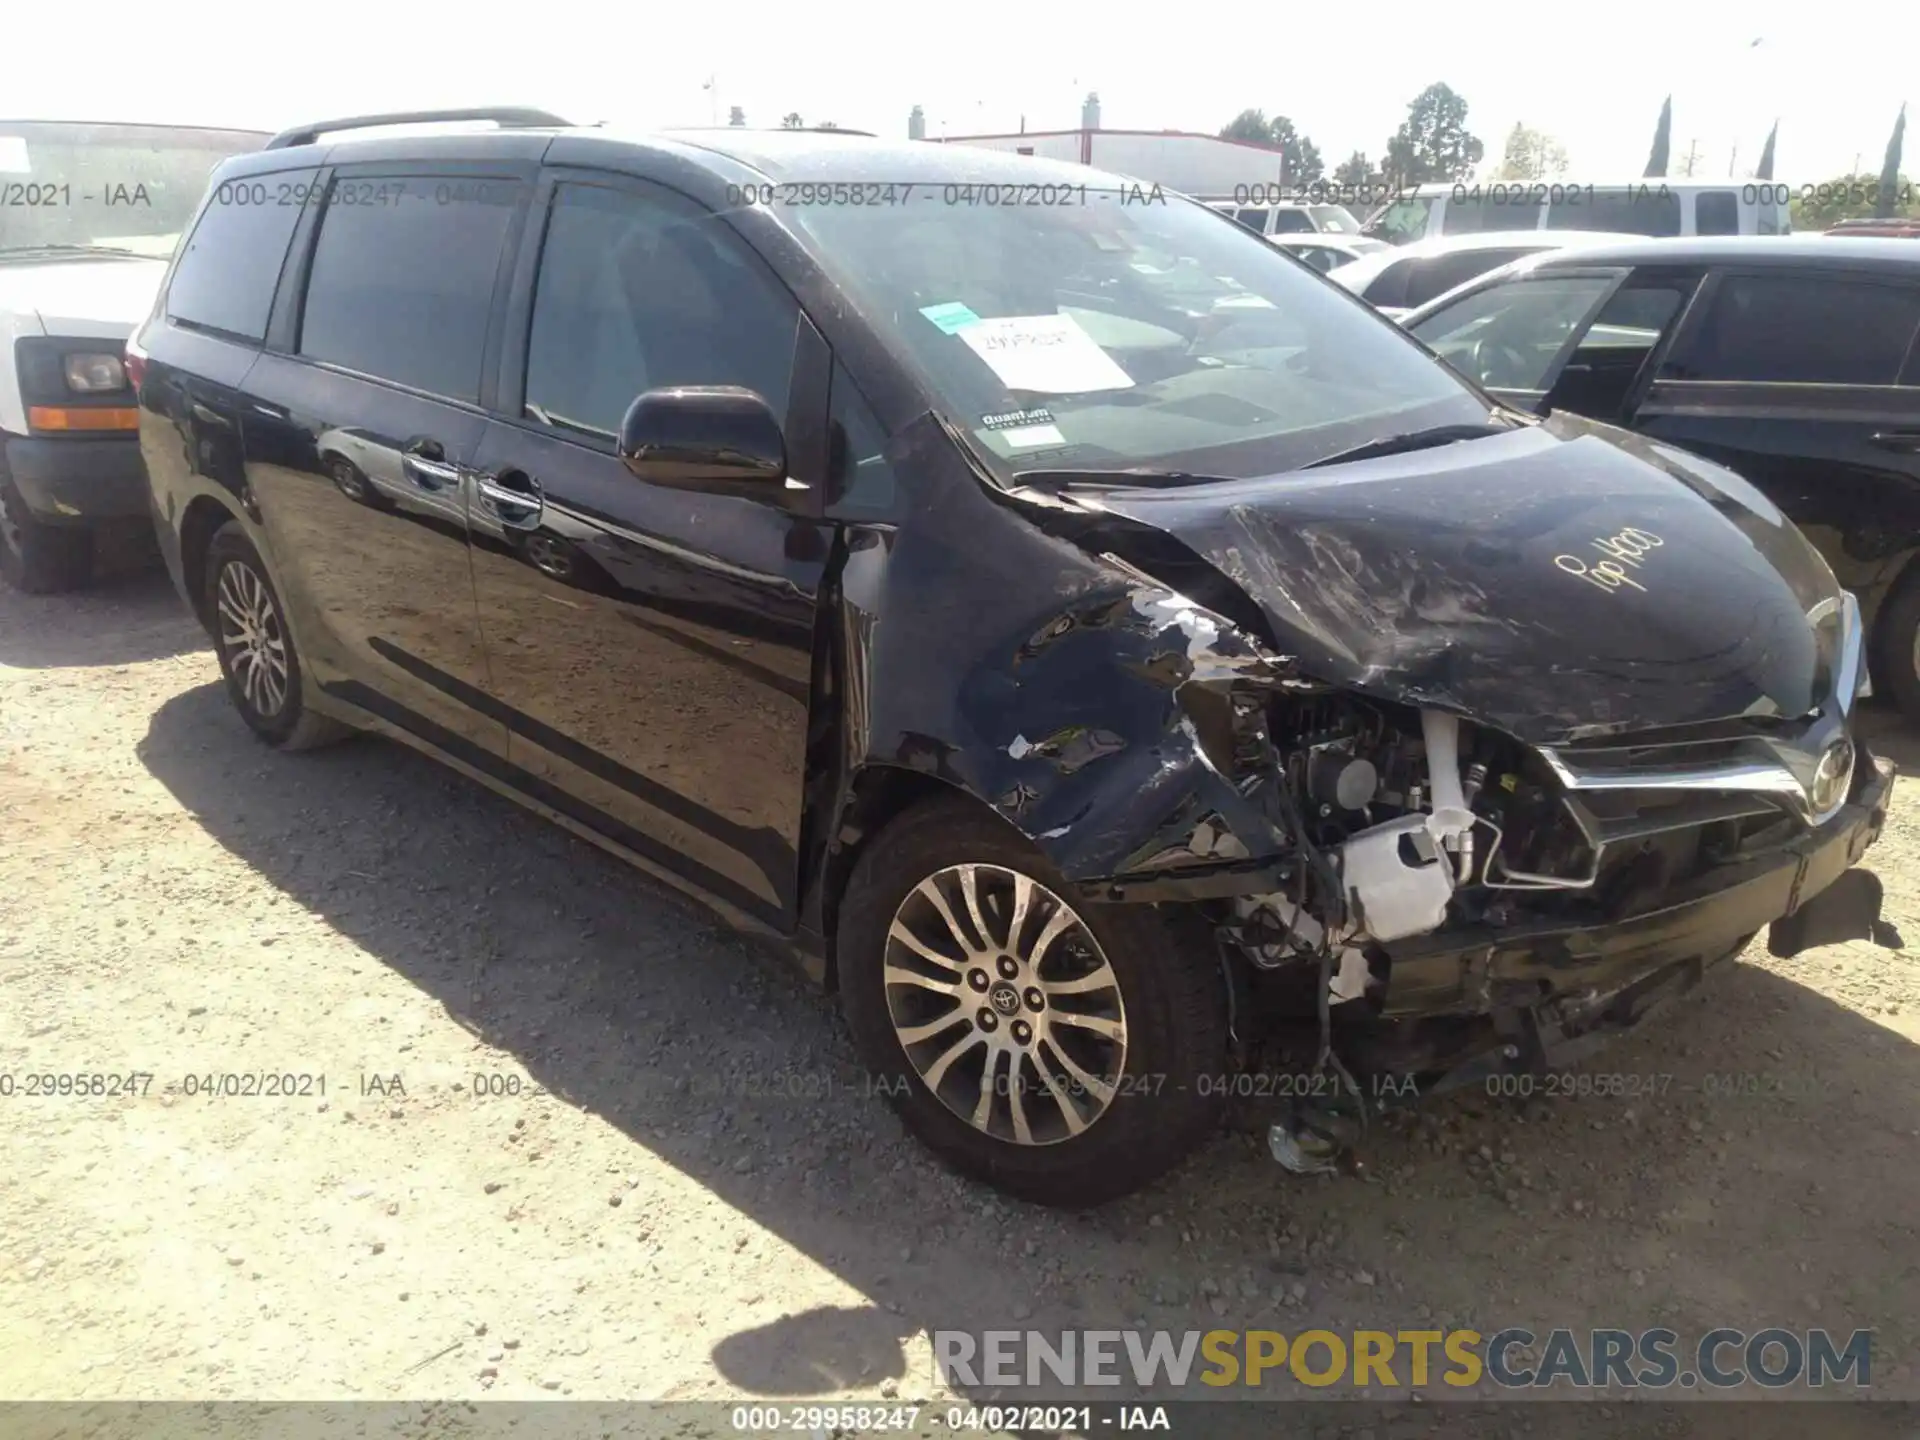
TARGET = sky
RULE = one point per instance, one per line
(1833, 74)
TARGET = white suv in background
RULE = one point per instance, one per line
(89, 216)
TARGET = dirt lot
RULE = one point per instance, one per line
(681, 1190)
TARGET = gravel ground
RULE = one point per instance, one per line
(576, 1139)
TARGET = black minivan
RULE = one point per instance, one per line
(1090, 639)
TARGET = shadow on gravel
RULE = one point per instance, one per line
(120, 620)
(1760, 1177)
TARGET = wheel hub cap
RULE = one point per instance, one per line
(1005, 1005)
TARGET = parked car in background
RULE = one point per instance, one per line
(1655, 207)
(1794, 362)
(1327, 252)
(1087, 639)
(1397, 279)
(88, 216)
(1292, 219)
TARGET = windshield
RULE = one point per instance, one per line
(1113, 335)
(126, 187)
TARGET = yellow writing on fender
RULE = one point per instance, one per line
(1321, 1357)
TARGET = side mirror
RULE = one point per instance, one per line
(720, 439)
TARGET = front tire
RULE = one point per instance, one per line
(255, 648)
(1057, 1050)
(37, 558)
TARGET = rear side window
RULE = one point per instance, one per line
(1292, 222)
(1497, 207)
(231, 264)
(1805, 329)
(1716, 212)
(403, 279)
(1255, 220)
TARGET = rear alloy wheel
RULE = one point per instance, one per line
(37, 558)
(255, 649)
(1055, 1049)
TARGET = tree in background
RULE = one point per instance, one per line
(1662, 140)
(1851, 197)
(1356, 169)
(1764, 170)
(1531, 155)
(1299, 155)
(1888, 197)
(1249, 125)
(736, 116)
(1433, 143)
(791, 120)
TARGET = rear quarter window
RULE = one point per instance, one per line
(230, 265)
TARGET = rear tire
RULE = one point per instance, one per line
(256, 650)
(37, 558)
(1105, 1022)
(1896, 648)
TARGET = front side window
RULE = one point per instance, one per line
(403, 278)
(1109, 335)
(636, 292)
(1507, 336)
(1802, 329)
(1402, 222)
(231, 265)
(110, 187)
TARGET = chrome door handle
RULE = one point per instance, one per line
(514, 509)
(429, 474)
(1901, 442)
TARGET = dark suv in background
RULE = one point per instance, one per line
(1088, 637)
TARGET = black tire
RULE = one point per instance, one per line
(37, 558)
(1169, 982)
(1895, 665)
(276, 713)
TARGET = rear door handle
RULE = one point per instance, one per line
(515, 509)
(425, 463)
(1902, 442)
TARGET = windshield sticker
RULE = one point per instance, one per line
(950, 317)
(1029, 436)
(1243, 302)
(1047, 353)
(1014, 419)
(13, 155)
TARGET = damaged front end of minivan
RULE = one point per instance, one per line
(1468, 765)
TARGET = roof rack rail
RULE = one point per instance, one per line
(505, 116)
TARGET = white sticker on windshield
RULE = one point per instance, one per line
(1048, 353)
(1029, 436)
(13, 155)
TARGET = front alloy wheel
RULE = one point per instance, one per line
(1058, 1049)
(1005, 1004)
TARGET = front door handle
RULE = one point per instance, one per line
(425, 463)
(1901, 442)
(515, 509)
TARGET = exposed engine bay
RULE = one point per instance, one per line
(1405, 821)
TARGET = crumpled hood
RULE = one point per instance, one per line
(1567, 580)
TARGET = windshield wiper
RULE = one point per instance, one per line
(1412, 440)
(71, 250)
